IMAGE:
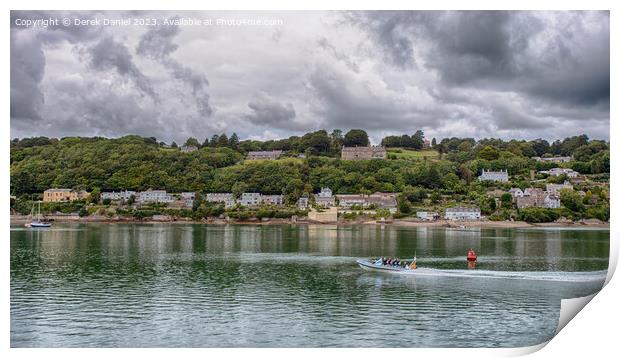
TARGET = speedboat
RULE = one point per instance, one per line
(378, 266)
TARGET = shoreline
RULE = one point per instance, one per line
(16, 220)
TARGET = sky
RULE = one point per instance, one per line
(269, 75)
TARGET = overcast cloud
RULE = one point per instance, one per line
(477, 74)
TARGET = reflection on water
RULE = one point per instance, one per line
(108, 285)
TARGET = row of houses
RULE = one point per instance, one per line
(454, 213)
(181, 200)
(325, 198)
(536, 197)
(247, 199)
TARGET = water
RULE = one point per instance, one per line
(182, 285)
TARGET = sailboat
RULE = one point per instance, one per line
(37, 222)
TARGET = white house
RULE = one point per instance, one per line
(154, 196)
(458, 213)
(551, 201)
(219, 197)
(555, 188)
(348, 200)
(383, 201)
(250, 199)
(516, 193)
(188, 198)
(427, 215)
(502, 175)
(559, 171)
(302, 203)
(325, 198)
(118, 195)
(272, 199)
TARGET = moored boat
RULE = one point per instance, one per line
(37, 222)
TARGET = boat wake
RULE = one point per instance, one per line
(559, 276)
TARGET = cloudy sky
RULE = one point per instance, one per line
(475, 74)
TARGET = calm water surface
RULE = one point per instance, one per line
(129, 285)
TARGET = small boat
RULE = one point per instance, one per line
(37, 222)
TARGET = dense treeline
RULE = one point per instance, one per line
(137, 163)
(128, 163)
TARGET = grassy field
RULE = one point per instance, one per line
(402, 153)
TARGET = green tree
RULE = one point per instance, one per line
(222, 141)
(417, 140)
(506, 200)
(95, 195)
(192, 142)
(488, 153)
(571, 200)
(239, 188)
(403, 205)
(356, 137)
(233, 142)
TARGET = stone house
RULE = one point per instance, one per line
(266, 154)
(363, 153)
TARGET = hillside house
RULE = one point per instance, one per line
(348, 200)
(118, 195)
(555, 188)
(250, 199)
(302, 203)
(154, 196)
(459, 213)
(56, 195)
(427, 215)
(383, 201)
(325, 198)
(264, 155)
(516, 193)
(553, 159)
(363, 153)
(276, 200)
(501, 175)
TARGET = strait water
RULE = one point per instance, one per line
(183, 285)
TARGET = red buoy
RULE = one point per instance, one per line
(471, 255)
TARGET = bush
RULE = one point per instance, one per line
(538, 215)
(83, 212)
(601, 213)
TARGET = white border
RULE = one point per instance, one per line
(591, 333)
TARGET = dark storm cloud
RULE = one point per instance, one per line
(267, 111)
(345, 103)
(27, 70)
(28, 59)
(108, 54)
(157, 44)
(503, 51)
(524, 74)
